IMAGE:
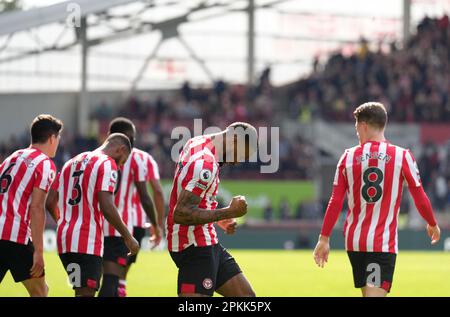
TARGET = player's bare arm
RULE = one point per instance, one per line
(147, 202)
(158, 197)
(111, 214)
(51, 204)
(434, 232)
(149, 208)
(37, 225)
(228, 225)
(187, 212)
(322, 250)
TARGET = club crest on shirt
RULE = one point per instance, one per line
(207, 283)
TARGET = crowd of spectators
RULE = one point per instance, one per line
(434, 166)
(413, 82)
(217, 107)
(156, 118)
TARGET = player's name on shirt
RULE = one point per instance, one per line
(373, 155)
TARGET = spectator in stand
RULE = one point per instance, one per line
(285, 209)
(414, 80)
(268, 211)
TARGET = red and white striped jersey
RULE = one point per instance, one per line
(373, 175)
(139, 216)
(134, 170)
(20, 173)
(80, 225)
(198, 172)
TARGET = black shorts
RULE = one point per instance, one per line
(138, 234)
(17, 258)
(115, 250)
(373, 268)
(84, 270)
(202, 270)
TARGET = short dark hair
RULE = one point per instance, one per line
(119, 139)
(246, 130)
(123, 125)
(43, 127)
(372, 113)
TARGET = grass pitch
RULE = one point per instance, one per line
(271, 273)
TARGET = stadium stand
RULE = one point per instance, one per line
(413, 82)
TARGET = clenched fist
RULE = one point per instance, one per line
(238, 206)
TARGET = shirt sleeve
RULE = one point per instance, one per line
(138, 167)
(200, 174)
(107, 177)
(55, 184)
(152, 168)
(337, 198)
(45, 174)
(410, 170)
(423, 204)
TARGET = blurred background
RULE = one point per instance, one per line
(302, 66)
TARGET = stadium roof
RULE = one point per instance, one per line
(15, 21)
(160, 43)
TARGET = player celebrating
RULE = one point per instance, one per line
(372, 175)
(25, 178)
(83, 188)
(133, 177)
(204, 265)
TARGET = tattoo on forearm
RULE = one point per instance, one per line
(188, 213)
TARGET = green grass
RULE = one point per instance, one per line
(272, 273)
(257, 193)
